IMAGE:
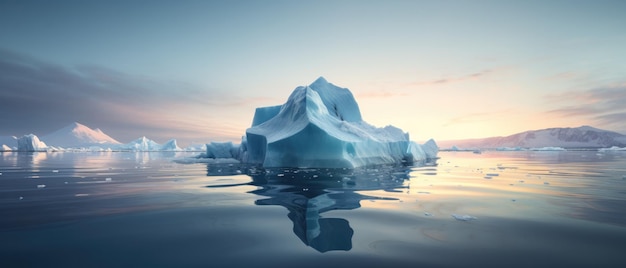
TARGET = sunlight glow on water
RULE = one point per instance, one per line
(555, 208)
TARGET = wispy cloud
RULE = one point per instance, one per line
(380, 94)
(604, 106)
(41, 97)
(475, 117)
(448, 80)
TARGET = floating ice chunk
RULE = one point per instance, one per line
(427, 214)
(463, 217)
(55, 171)
(81, 195)
(39, 186)
(492, 174)
(546, 183)
(488, 177)
(108, 179)
(21, 198)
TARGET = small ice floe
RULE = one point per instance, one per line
(488, 177)
(427, 214)
(623, 177)
(463, 217)
(108, 179)
(492, 174)
(546, 183)
(39, 186)
(0, 173)
(81, 195)
(21, 198)
(55, 171)
(280, 175)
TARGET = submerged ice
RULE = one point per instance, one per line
(320, 126)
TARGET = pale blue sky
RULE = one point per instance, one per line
(195, 70)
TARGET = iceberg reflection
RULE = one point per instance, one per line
(308, 193)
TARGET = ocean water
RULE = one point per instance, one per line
(495, 209)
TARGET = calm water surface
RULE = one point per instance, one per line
(495, 209)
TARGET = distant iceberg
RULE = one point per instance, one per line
(612, 149)
(30, 143)
(144, 144)
(320, 126)
(548, 149)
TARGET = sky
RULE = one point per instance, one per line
(196, 70)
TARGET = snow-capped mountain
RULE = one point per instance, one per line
(584, 136)
(78, 135)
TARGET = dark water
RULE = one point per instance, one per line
(496, 209)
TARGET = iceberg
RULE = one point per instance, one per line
(5, 148)
(320, 126)
(144, 144)
(170, 145)
(31, 143)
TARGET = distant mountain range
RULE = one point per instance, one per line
(79, 136)
(579, 137)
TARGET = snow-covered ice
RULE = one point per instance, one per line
(320, 125)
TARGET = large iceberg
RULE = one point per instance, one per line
(320, 126)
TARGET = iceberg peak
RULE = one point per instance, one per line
(320, 80)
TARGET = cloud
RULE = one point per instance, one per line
(380, 94)
(475, 117)
(602, 107)
(40, 97)
(448, 80)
